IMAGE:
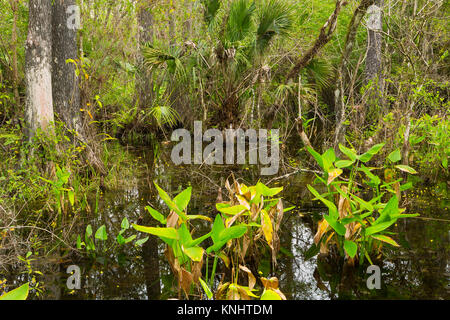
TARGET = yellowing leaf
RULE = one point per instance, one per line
(198, 216)
(333, 174)
(321, 230)
(407, 169)
(224, 258)
(267, 228)
(205, 287)
(232, 210)
(270, 295)
(386, 239)
(243, 202)
(20, 293)
(195, 253)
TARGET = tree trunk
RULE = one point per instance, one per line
(187, 24)
(341, 78)
(14, 7)
(39, 102)
(172, 22)
(145, 34)
(374, 26)
(66, 91)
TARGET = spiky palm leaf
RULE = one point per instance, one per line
(240, 20)
(320, 72)
(156, 57)
(283, 91)
(275, 18)
(164, 115)
(210, 10)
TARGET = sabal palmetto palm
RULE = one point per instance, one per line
(241, 34)
(231, 65)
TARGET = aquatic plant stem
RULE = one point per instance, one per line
(213, 273)
(207, 263)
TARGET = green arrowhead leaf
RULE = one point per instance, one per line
(156, 215)
(351, 248)
(169, 233)
(20, 293)
(101, 233)
(405, 168)
(182, 199)
(395, 155)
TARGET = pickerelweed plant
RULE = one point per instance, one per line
(358, 227)
(101, 236)
(249, 220)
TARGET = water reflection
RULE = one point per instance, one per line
(418, 270)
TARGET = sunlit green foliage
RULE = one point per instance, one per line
(358, 227)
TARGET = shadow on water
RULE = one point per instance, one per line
(420, 269)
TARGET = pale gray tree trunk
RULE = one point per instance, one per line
(187, 25)
(14, 7)
(374, 42)
(66, 92)
(172, 22)
(145, 34)
(39, 101)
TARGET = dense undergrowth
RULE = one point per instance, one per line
(227, 65)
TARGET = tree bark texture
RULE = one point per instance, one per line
(39, 101)
(145, 34)
(374, 26)
(66, 91)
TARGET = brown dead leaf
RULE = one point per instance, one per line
(243, 201)
(251, 277)
(271, 283)
(254, 211)
(243, 294)
(245, 245)
(233, 293)
(229, 222)
(197, 271)
(397, 191)
(275, 247)
(280, 215)
(228, 187)
(172, 220)
(186, 279)
(220, 295)
(174, 265)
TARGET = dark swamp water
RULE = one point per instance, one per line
(419, 269)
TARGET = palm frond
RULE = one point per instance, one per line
(275, 19)
(164, 115)
(283, 91)
(156, 57)
(210, 10)
(240, 20)
(320, 73)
